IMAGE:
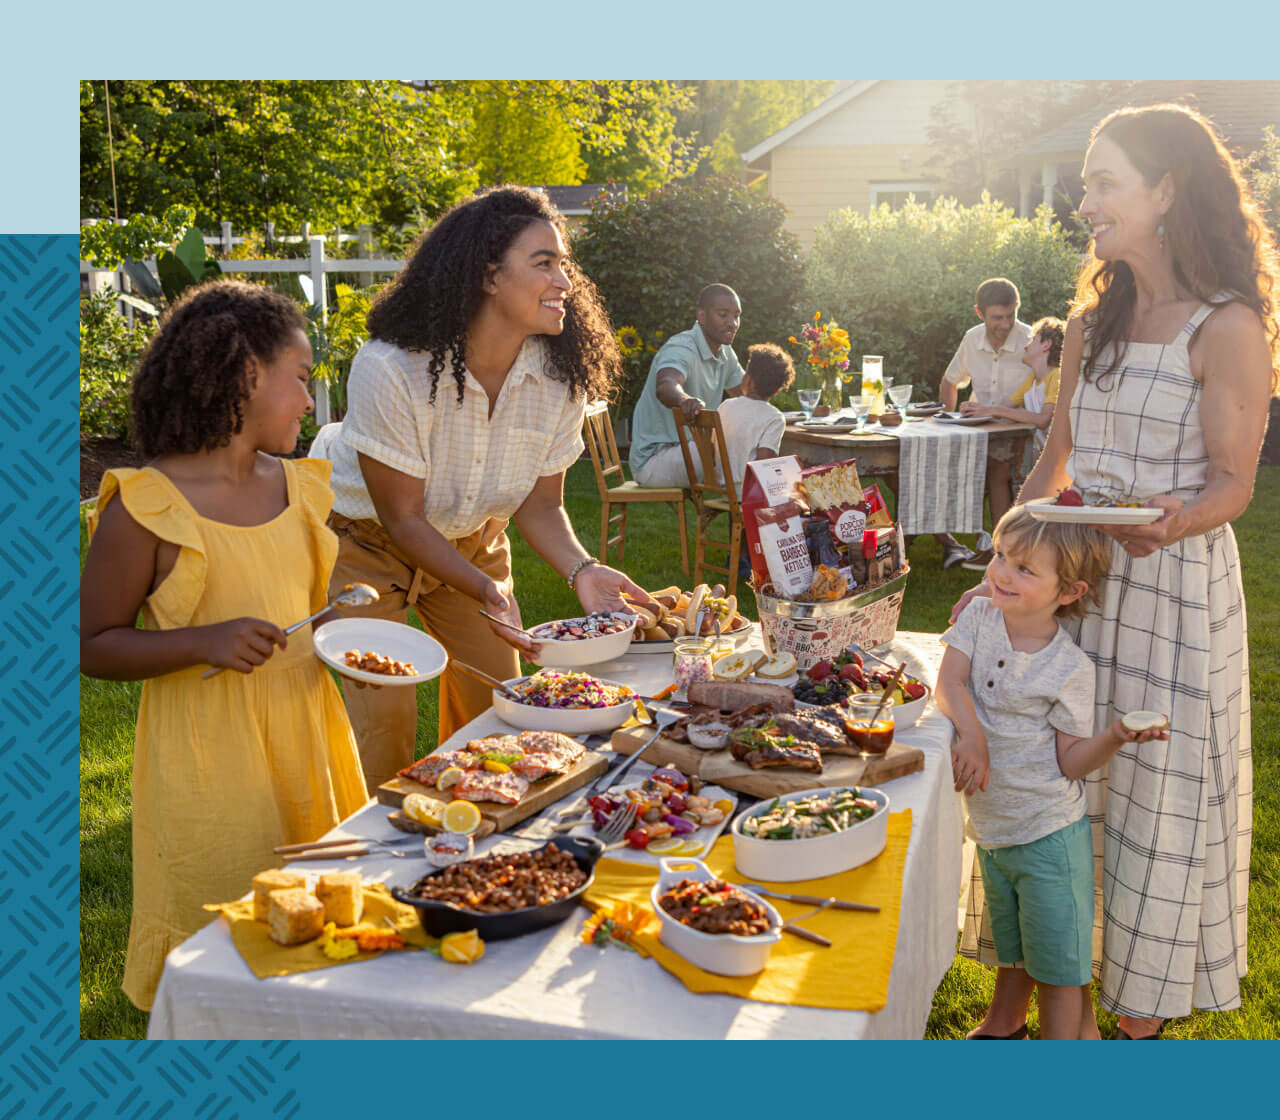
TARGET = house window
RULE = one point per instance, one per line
(897, 193)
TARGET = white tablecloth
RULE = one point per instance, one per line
(548, 984)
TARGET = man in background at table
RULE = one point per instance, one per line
(990, 358)
(695, 369)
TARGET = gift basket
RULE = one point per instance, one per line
(828, 565)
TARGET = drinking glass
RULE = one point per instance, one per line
(871, 736)
(901, 396)
(861, 407)
(809, 401)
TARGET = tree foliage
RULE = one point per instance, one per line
(327, 152)
(903, 282)
(650, 256)
(729, 117)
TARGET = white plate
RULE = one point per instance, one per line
(380, 635)
(1047, 509)
(707, 834)
(967, 421)
(569, 721)
(838, 428)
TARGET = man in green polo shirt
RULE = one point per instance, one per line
(695, 369)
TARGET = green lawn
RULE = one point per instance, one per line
(108, 710)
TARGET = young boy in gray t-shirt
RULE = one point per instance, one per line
(1020, 694)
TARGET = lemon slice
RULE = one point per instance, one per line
(449, 777)
(731, 667)
(690, 847)
(496, 767)
(665, 846)
(461, 817)
(423, 809)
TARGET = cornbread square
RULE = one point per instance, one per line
(296, 915)
(343, 900)
(277, 879)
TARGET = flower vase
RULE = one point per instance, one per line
(832, 389)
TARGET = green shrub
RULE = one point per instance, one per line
(109, 349)
(903, 282)
(651, 255)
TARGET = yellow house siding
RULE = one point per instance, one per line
(887, 113)
(812, 182)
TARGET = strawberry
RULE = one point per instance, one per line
(1070, 497)
(850, 672)
(820, 670)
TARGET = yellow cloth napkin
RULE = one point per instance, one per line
(852, 975)
(265, 958)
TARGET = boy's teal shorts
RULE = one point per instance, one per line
(1040, 902)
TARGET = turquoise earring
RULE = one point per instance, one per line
(1160, 234)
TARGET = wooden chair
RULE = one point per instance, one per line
(617, 493)
(712, 496)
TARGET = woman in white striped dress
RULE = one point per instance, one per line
(1168, 367)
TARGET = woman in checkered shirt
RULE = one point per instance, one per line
(465, 408)
(1168, 367)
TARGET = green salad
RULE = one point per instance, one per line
(805, 817)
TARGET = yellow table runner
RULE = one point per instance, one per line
(265, 958)
(852, 975)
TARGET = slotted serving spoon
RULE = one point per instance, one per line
(353, 595)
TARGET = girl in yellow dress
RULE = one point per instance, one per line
(220, 545)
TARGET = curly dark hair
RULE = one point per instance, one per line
(1054, 332)
(771, 369)
(1213, 229)
(193, 378)
(429, 307)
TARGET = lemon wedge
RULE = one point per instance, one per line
(461, 817)
(423, 809)
(496, 767)
(449, 777)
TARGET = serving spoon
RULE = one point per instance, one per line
(353, 595)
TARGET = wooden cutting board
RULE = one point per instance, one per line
(541, 794)
(722, 769)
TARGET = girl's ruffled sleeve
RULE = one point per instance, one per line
(316, 497)
(152, 503)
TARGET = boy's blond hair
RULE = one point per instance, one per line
(1082, 553)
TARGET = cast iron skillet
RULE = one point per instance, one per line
(439, 918)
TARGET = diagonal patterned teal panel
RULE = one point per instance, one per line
(46, 1071)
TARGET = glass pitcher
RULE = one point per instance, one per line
(873, 382)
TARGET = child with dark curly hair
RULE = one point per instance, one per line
(219, 544)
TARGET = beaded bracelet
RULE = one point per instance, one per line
(585, 562)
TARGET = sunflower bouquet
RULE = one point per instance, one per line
(826, 349)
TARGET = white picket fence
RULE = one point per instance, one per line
(310, 271)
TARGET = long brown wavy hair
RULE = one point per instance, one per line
(430, 305)
(1213, 230)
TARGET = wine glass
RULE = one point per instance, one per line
(809, 401)
(900, 395)
(861, 407)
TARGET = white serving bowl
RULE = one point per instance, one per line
(789, 861)
(380, 635)
(571, 721)
(727, 954)
(573, 653)
(908, 714)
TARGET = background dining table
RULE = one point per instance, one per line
(878, 453)
(549, 984)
